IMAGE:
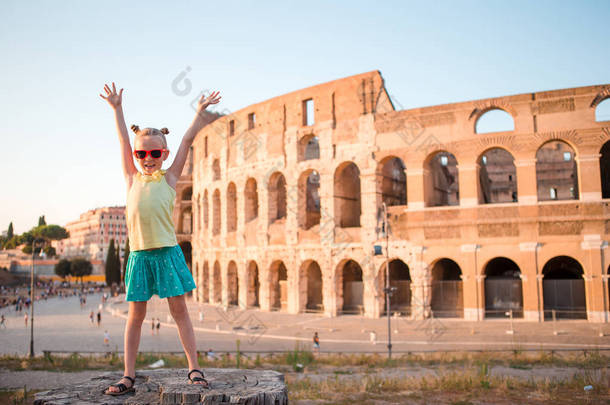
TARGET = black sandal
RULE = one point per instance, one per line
(122, 387)
(198, 379)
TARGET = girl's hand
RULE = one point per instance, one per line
(204, 101)
(112, 97)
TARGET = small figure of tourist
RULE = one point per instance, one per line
(106, 338)
(373, 337)
(3, 321)
(99, 318)
(152, 324)
(91, 317)
(25, 318)
(316, 343)
(158, 325)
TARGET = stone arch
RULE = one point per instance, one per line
(391, 182)
(216, 169)
(503, 288)
(311, 286)
(400, 282)
(231, 207)
(308, 148)
(216, 284)
(277, 197)
(563, 289)
(205, 282)
(206, 210)
(602, 110)
(278, 286)
(347, 196)
(216, 212)
(497, 177)
(604, 169)
(349, 287)
(232, 284)
(252, 296)
(251, 196)
(441, 180)
(186, 220)
(556, 171)
(309, 199)
(447, 299)
(187, 194)
(494, 119)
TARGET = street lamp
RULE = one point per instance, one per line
(387, 290)
(32, 293)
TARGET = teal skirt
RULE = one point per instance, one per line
(160, 271)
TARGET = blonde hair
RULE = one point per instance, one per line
(151, 132)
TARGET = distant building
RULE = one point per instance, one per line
(90, 236)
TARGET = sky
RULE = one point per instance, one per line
(61, 152)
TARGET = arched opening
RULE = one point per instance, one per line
(347, 195)
(563, 289)
(205, 282)
(217, 284)
(233, 283)
(351, 287)
(206, 210)
(604, 169)
(441, 182)
(400, 282)
(556, 172)
(503, 289)
(216, 214)
(447, 299)
(251, 195)
(494, 120)
(497, 177)
(231, 207)
(313, 273)
(187, 252)
(253, 285)
(309, 148)
(309, 199)
(197, 215)
(278, 288)
(186, 223)
(216, 169)
(187, 194)
(391, 182)
(602, 111)
(277, 197)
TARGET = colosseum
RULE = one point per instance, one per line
(306, 201)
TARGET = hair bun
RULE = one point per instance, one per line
(135, 128)
(164, 131)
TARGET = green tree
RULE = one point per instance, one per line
(80, 267)
(117, 264)
(112, 267)
(9, 233)
(50, 251)
(63, 268)
(125, 258)
(41, 220)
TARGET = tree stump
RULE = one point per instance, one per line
(169, 386)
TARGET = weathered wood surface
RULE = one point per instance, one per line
(169, 386)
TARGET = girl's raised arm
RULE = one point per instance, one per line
(202, 118)
(115, 100)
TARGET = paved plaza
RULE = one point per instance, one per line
(62, 325)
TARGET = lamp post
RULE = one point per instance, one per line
(387, 289)
(32, 294)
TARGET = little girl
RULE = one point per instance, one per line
(156, 264)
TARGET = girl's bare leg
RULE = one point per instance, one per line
(133, 331)
(179, 311)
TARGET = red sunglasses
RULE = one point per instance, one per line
(154, 153)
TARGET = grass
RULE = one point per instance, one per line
(459, 379)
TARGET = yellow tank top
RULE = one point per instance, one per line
(150, 204)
